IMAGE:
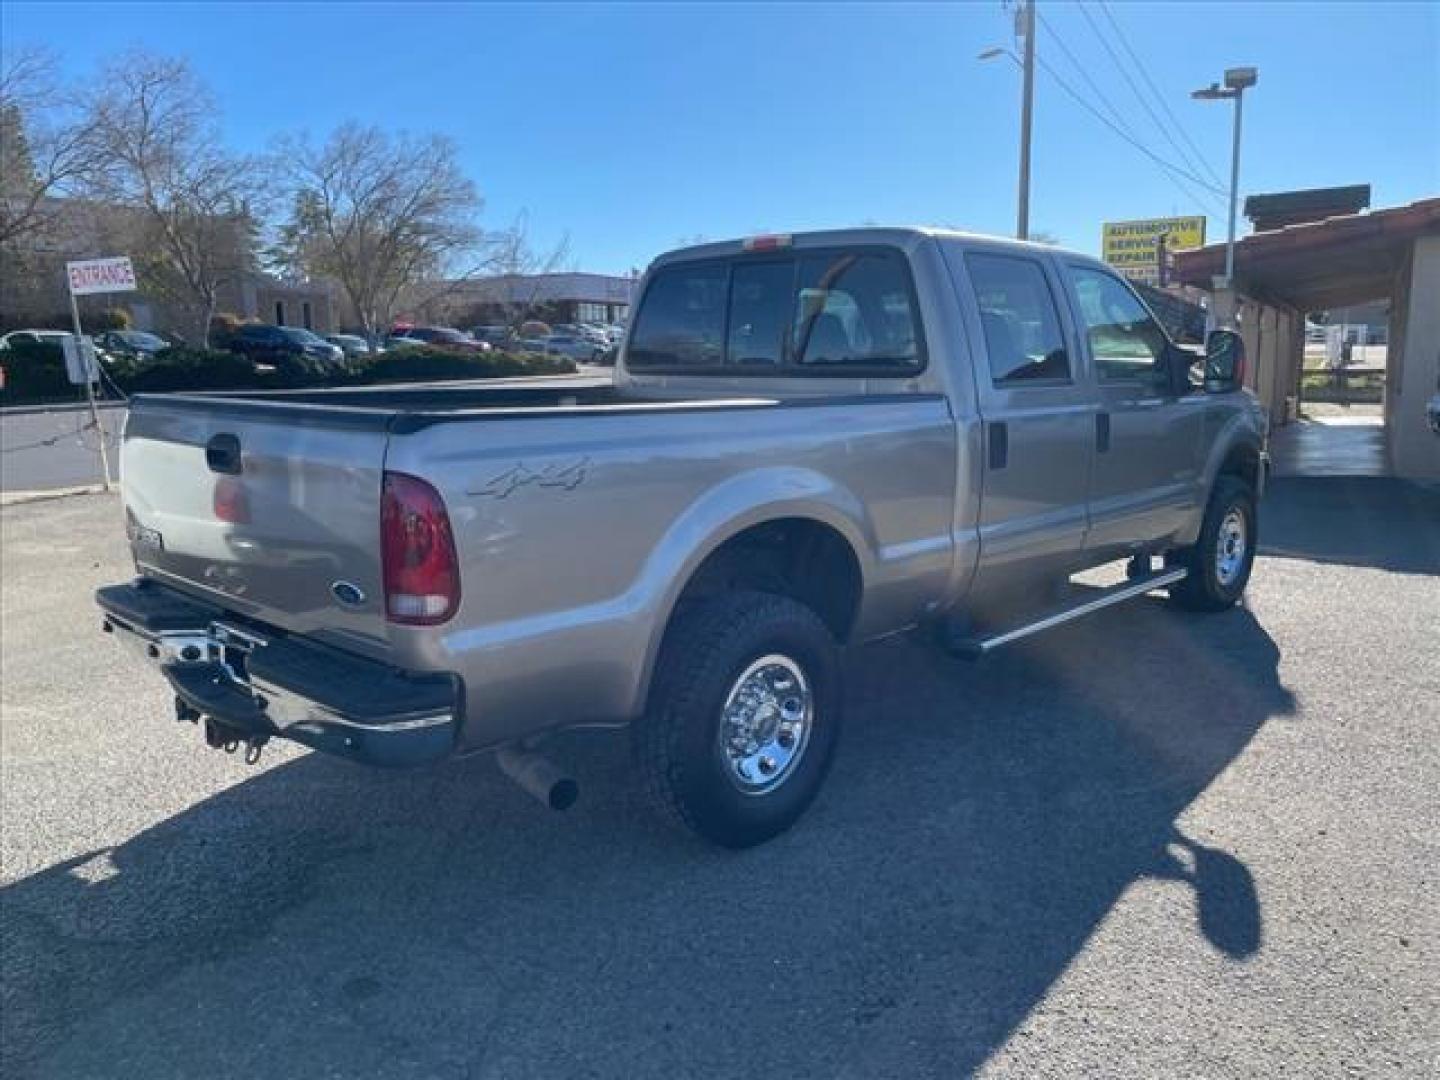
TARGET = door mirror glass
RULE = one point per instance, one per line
(1224, 361)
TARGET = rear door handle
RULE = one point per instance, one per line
(999, 445)
(1102, 432)
(222, 454)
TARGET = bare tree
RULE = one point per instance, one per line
(47, 147)
(514, 271)
(192, 202)
(381, 214)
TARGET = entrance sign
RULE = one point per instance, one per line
(85, 278)
(90, 276)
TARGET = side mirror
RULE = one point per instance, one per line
(1224, 362)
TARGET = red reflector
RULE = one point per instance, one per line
(230, 501)
(767, 243)
(417, 553)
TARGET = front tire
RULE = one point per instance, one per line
(1222, 556)
(743, 717)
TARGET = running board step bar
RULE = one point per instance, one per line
(978, 646)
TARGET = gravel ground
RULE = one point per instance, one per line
(1146, 844)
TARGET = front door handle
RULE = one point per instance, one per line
(1102, 432)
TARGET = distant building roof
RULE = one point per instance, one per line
(1282, 208)
(550, 288)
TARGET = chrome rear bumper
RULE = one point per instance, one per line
(256, 683)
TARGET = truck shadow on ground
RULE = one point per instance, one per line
(980, 822)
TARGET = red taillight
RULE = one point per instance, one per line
(230, 502)
(1240, 371)
(768, 242)
(417, 553)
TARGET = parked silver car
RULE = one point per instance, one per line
(810, 442)
(580, 349)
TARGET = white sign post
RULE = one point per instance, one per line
(86, 277)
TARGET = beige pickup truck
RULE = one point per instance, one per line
(809, 442)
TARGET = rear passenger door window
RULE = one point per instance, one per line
(682, 321)
(1125, 340)
(1019, 319)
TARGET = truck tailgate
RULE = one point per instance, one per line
(270, 509)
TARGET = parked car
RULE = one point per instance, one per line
(56, 338)
(53, 338)
(584, 331)
(137, 343)
(580, 349)
(288, 348)
(498, 337)
(444, 336)
(352, 345)
(810, 442)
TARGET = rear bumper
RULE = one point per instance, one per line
(258, 683)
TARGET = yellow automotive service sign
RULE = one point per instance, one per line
(1132, 248)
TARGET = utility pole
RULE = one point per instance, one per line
(1025, 24)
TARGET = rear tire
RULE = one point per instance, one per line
(743, 717)
(1220, 560)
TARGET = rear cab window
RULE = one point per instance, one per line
(829, 311)
(1019, 319)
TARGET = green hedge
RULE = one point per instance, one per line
(36, 373)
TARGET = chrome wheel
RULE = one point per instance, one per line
(765, 724)
(1230, 547)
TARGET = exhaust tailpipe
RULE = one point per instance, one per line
(539, 776)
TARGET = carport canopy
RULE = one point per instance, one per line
(1318, 265)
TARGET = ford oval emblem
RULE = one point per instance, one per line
(348, 593)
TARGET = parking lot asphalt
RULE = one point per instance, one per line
(43, 449)
(1148, 843)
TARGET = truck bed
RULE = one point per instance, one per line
(421, 403)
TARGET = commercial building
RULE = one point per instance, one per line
(1282, 274)
(510, 299)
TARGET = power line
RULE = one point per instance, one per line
(1144, 74)
(1084, 74)
(1140, 97)
(1169, 167)
(1115, 113)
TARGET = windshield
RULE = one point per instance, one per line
(299, 336)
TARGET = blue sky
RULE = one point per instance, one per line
(632, 127)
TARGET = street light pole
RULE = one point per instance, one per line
(1237, 80)
(1234, 188)
(1026, 18)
